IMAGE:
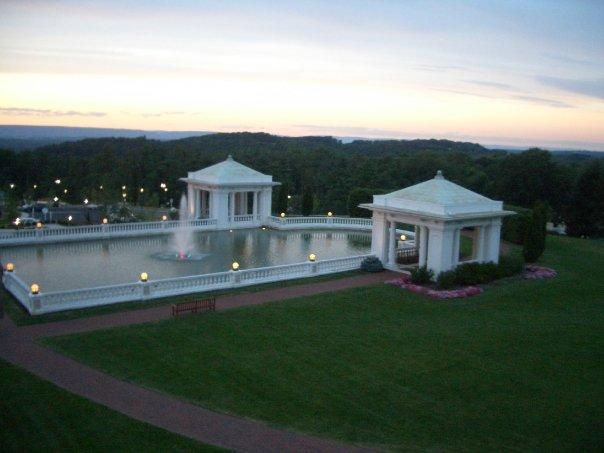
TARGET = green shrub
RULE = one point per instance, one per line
(372, 264)
(514, 226)
(510, 265)
(421, 275)
(534, 237)
(446, 280)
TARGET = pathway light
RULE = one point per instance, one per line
(235, 266)
(144, 277)
(10, 267)
(312, 257)
(35, 288)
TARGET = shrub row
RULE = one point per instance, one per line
(479, 273)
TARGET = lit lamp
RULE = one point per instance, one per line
(70, 218)
(164, 218)
(142, 190)
(235, 266)
(17, 221)
(124, 195)
(282, 214)
(10, 267)
(123, 187)
(163, 185)
(264, 228)
(55, 199)
(289, 197)
(329, 214)
(85, 200)
(101, 187)
(165, 189)
(35, 288)
(144, 277)
(12, 186)
(105, 221)
(403, 237)
(39, 225)
(57, 181)
(312, 257)
(35, 186)
(65, 191)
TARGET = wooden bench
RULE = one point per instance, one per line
(194, 306)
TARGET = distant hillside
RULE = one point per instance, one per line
(19, 138)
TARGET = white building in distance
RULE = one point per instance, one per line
(439, 210)
(236, 195)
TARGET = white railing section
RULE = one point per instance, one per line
(89, 297)
(79, 233)
(320, 221)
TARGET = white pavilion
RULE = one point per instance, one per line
(235, 195)
(439, 210)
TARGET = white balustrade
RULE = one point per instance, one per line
(47, 302)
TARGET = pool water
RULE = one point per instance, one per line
(59, 267)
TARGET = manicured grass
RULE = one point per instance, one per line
(518, 367)
(20, 316)
(37, 416)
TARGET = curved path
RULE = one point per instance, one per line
(18, 345)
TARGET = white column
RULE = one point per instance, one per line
(255, 205)
(494, 237)
(196, 213)
(392, 245)
(379, 234)
(232, 206)
(440, 248)
(478, 250)
(423, 245)
(416, 237)
(191, 200)
(220, 207)
(456, 240)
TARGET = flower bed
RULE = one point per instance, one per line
(406, 283)
(532, 272)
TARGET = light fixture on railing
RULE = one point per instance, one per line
(312, 257)
(282, 214)
(39, 225)
(165, 189)
(35, 288)
(9, 267)
(164, 218)
(105, 221)
(57, 181)
(35, 186)
(70, 218)
(124, 195)
(65, 191)
(123, 187)
(235, 266)
(403, 237)
(85, 200)
(289, 197)
(17, 221)
(142, 190)
(329, 214)
(230, 231)
(144, 277)
(11, 185)
(101, 187)
(163, 185)
(55, 199)
(264, 228)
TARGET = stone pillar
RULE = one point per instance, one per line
(232, 206)
(266, 203)
(416, 236)
(220, 207)
(478, 249)
(423, 245)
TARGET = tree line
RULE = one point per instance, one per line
(319, 174)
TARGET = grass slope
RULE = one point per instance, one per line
(37, 416)
(518, 367)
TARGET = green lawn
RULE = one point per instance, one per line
(518, 367)
(21, 317)
(37, 416)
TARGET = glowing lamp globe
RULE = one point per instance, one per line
(65, 191)
(329, 214)
(403, 237)
(85, 200)
(312, 257)
(55, 199)
(123, 187)
(164, 218)
(70, 218)
(142, 190)
(235, 266)
(282, 214)
(39, 225)
(10, 267)
(105, 221)
(12, 186)
(35, 288)
(144, 277)
(57, 181)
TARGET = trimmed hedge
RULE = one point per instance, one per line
(480, 273)
(421, 275)
(372, 264)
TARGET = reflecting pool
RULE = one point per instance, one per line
(57, 267)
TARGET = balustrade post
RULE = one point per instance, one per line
(145, 289)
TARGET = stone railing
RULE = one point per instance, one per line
(113, 230)
(47, 302)
(288, 223)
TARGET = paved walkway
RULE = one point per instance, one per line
(18, 345)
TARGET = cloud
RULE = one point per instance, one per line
(486, 83)
(515, 97)
(593, 88)
(18, 111)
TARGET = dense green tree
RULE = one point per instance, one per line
(281, 203)
(357, 196)
(308, 200)
(585, 213)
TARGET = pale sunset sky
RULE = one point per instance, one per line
(496, 72)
